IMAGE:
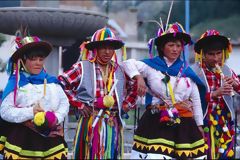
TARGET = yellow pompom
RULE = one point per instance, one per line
(230, 153)
(178, 120)
(224, 146)
(221, 140)
(229, 115)
(39, 118)
(108, 101)
(215, 122)
(219, 112)
(217, 133)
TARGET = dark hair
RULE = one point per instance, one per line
(161, 45)
(36, 52)
(213, 45)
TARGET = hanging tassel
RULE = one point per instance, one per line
(124, 53)
(116, 61)
(227, 52)
(44, 87)
(94, 56)
(150, 44)
(201, 57)
(110, 80)
(223, 57)
(17, 82)
(83, 51)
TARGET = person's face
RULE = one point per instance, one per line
(212, 57)
(104, 54)
(172, 50)
(34, 65)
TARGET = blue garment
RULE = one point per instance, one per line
(24, 80)
(159, 64)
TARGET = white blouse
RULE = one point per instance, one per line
(55, 100)
(154, 79)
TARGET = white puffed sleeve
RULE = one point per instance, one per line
(133, 68)
(63, 107)
(13, 114)
(197, 108)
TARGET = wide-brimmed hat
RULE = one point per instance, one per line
(208, 37)
(27, 43)
(174, 30)
(104, 36)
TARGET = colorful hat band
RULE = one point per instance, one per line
(173, 28)
(102, 36)
(21, 42)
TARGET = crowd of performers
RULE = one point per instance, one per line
(189, 110)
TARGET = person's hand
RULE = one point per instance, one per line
(57, 132)
(226, 89)
(125, 107)
(187, 104)
(231, 81)
(85, 110)
(141, 85)
(201, 131)
(37, 109)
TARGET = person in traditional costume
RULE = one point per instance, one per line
(99, 90)
(171, 126)
(212, 50)
(34, 105)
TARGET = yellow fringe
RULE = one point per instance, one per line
(9, 155)
(155, 147)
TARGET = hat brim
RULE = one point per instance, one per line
(34, 45)
(182, 36)
(200, 44)
(116, 44)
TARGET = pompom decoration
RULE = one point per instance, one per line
(221, 150)
(206, 129)
(39, 119)
(215, 122)
(169, 116)
(230, 153)
(100, 103)
(221, 140)
(108, 101)
(228, 115)
(44, 122)
(224, 146)
(51, 119)
(225, 129)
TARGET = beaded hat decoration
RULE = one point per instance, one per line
(101, 37)
(209, 37)
(174, 30)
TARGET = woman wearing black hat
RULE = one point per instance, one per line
(171, 125)
(34, 105)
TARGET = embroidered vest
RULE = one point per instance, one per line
(227, 99)
(86, 91)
